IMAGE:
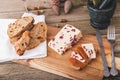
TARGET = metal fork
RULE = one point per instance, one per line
(111, 38)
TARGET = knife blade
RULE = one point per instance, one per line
(104, 62)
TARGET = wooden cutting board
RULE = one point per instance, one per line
(60, 65)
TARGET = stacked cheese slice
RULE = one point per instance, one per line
(82, 55)
(65, 39)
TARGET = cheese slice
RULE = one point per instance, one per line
(77, 56)
(65, 39)
(89, 50)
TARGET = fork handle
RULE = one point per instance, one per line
(113, 70)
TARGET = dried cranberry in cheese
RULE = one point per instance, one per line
(65, 39)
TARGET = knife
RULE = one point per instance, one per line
(104, 62)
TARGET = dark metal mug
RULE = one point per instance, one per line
(100, 19)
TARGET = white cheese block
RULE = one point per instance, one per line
(65, 39)
(89, 50)
(77, 57)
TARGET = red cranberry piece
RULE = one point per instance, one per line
(11, 31)
(91, 51)
(26, 43)
(75, 56)
(22, 44)
(61, 37)
(53, 44)
(39, 37)
(73, 30)
(75, 52)
(61, 47)
(58, 50)
(75, 39)
(71, 40)
(41, 25)
(85, 48)
(68, 31)
(72, 43)
(65, 28)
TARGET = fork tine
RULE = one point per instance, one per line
(108, 32)
(114, 31)
(111, 32)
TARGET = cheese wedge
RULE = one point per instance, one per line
(89, 50)
(65, 39)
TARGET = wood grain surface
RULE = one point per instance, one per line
(78, 17)
(60, 65)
